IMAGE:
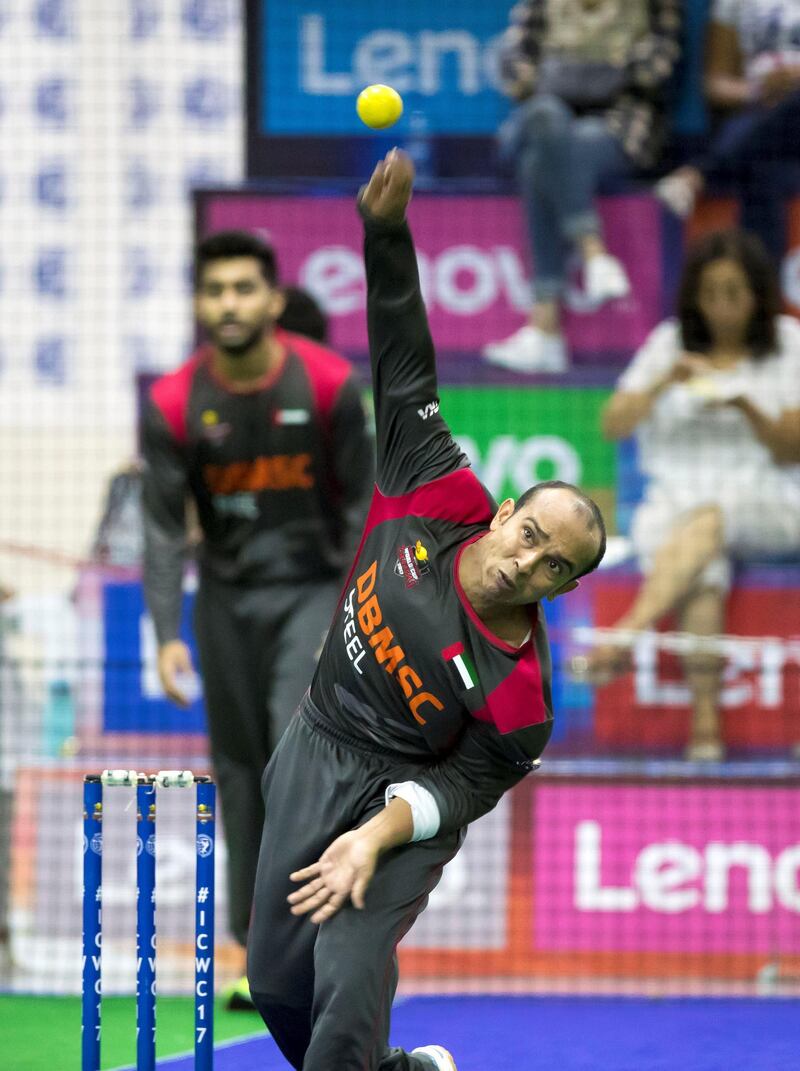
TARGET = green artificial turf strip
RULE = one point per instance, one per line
(44, 1033)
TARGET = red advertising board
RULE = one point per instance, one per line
(648, 710)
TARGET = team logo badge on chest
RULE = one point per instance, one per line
(213, 429)
(412, 563)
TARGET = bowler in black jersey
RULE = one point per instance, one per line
(430, 700)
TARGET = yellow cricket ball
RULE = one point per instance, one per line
(379, 106)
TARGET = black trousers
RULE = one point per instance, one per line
(325, 992)
(258, 649)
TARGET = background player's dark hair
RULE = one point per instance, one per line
(225, 245)
(595, 516)
(303, 314)
(748, 251)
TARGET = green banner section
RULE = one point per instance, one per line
(517, 436)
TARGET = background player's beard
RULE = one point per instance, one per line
(238, 349)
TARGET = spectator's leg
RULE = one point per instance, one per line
(593, 155)
(562, 161)
(541, 163)
(693, 545)
(703, 614)
(547, 245)
(534, 140)
(739, 139)
(757, 152)
(757, 132)
(762, 187)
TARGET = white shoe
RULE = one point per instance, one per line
(605, 279)
(529, 350)
(677, 193)
(442, 1060)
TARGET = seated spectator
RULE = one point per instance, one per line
(119, 539)
(714, 398)
(589, 78)
(752, 80)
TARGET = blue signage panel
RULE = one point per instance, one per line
(442, 59)
(132, 698)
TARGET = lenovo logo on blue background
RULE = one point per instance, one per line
(443, 62)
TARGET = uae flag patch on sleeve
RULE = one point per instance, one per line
(462, 664)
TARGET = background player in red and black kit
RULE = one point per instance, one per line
(430, 700)
(265, 430)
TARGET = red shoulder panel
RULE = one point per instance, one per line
(326, 369)
(518, 702)
(458, 497)
(171, 392)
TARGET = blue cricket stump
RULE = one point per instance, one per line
(146, 792)
(92, 921)
(145, 924)
(204, 927)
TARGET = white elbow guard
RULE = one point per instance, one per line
(424, 809)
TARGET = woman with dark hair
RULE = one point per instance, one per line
(714, 399)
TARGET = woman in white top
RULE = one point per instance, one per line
(714, 399)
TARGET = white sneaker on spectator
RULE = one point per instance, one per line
(605, 279)
(440, 1058)
(529, 350)
(677, 193)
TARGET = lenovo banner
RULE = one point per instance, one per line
(474, 266)
(684, 868)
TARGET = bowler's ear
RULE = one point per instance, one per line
(504, 511)
(569, 586)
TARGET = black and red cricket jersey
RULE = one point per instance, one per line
(280, 474)
(407, 664)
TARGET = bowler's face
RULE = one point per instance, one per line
(534, 552)
(235, 303)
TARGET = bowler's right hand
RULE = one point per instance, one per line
(342, 872)
(388, 192)
(174, 662)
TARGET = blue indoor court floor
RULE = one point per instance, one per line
(528, 1033)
